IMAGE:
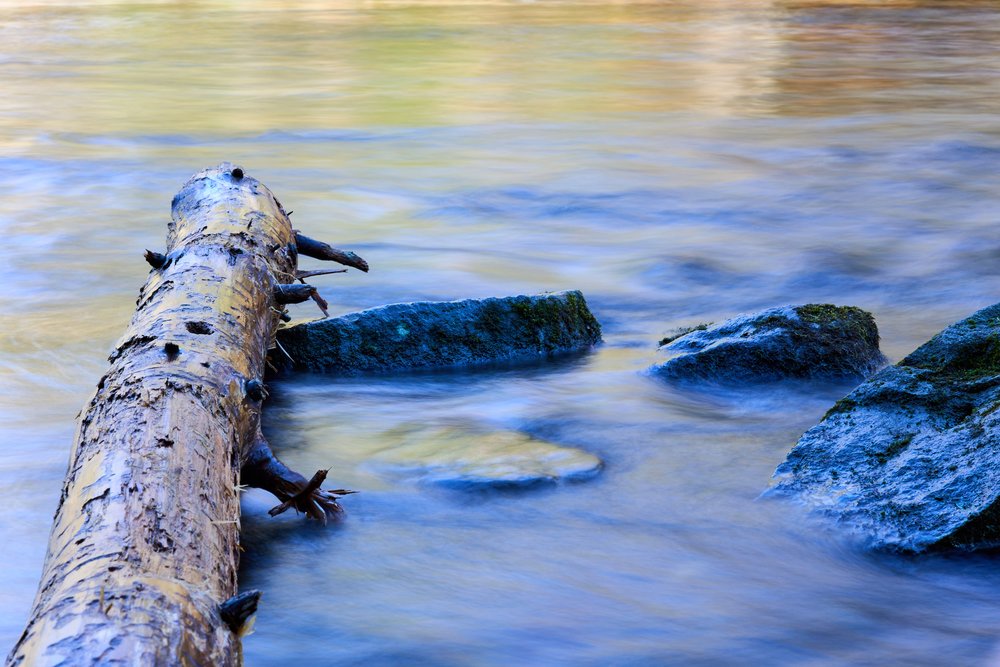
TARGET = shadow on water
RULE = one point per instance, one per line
(493, 371)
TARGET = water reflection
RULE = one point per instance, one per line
(679, 163)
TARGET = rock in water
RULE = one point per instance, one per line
(466, 456)
(434, 334)
(811, 341)
(911, 458)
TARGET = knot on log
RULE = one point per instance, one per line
(256, 390)
(236, 610)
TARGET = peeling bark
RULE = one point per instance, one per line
(145, 542)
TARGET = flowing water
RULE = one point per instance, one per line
(679, 162)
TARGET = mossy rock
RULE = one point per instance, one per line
(441, 334)
(911, 458)
(816, 341)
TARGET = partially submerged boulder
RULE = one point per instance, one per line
(817, 341)
(435, 334)
(911, 458)
(465, 456)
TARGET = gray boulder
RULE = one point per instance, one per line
(911, 458)
(816, 341)
(442, 334)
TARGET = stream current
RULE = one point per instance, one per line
(678, 162)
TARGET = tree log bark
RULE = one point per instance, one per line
(145, 543)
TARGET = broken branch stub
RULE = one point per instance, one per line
(145, 542)
(319, 250)
(237, 610)
(285, 294)
(155, 259)
(302, 275)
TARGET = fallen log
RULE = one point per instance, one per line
(142, 558)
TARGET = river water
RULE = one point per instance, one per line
(677, 162)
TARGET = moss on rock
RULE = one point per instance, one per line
(810, 341)
(443, 334)
(915, 447)
(682, 331)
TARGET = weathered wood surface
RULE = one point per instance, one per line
(145, 542)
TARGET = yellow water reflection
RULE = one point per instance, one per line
(175, 68)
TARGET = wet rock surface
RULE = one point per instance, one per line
(911, 458)
(467, 456)
(442, 334)
(814, 341)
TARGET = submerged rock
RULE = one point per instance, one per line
(464, 456)
(434, 334)
(911, 458)
(811, 341)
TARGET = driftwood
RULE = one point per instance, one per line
(142, 559)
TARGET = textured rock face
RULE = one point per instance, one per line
(443, 334)
(811, 341)
(464, 456)
(911, 458)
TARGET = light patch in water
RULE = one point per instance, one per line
(464, 455)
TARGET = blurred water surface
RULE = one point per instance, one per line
(679, 162)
